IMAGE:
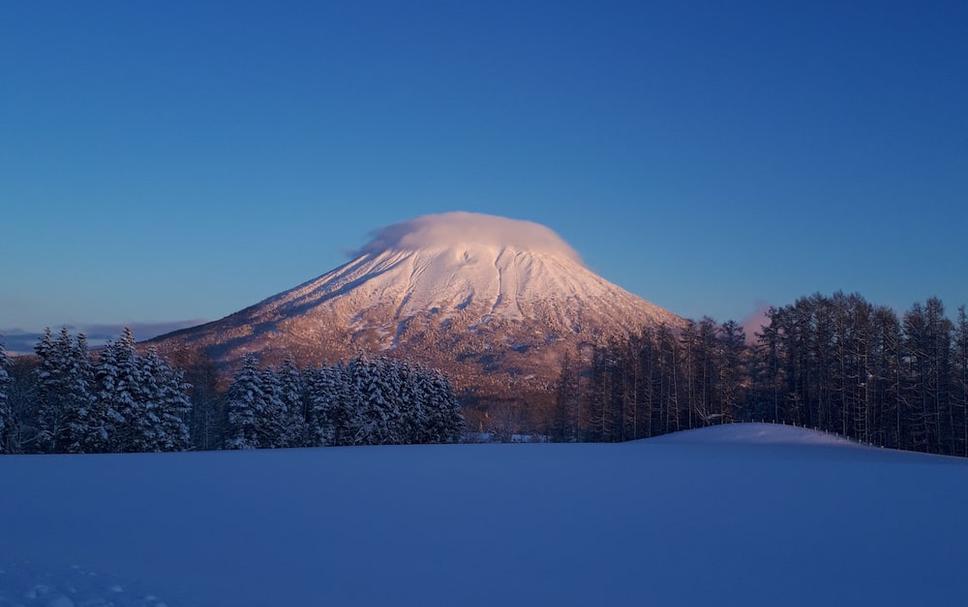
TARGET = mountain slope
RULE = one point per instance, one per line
(492, 301)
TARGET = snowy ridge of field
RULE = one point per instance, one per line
(756, 434)
(654, 522)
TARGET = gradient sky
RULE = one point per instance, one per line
(168, 161)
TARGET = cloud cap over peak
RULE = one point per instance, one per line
(461, 229)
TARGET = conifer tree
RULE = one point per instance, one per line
(961, 376)
(292, 385)
(411, 405)
(105, 387)
(5, 413)
(273, 417)
(331, 413)
(375, 410)
(66, 405)
(86, 436)
(565, 412)
(51, 420)
(123, 394)
(732, 369)
(446, 417)
(245, 402)
(165, 402)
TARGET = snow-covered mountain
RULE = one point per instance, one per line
(492, 301)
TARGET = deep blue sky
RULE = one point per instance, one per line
(167, 161)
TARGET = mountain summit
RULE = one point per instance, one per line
(493, 301)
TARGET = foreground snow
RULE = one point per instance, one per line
(684, 520)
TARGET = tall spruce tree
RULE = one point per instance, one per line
(86, 433)
(51, 413)
(124, 397)
(564, 420)
(961, 377)
(413, 408)
(293, 394)
(376, 410)
(445, 417)
(245, 405)
(328, 406)
(207, 412)
(166, 403)
(273, 417)
(732, 369)
(5, 412)
(66, 405)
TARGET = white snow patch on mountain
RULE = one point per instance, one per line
(470, 264)
(646, 523)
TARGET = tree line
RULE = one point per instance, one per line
(118, 399)
(837, 363)
(365, 402)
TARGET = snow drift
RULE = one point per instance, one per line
(756, 434)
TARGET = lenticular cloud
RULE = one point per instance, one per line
(460, 229)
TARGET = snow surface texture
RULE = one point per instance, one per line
(655, 522)
(484, 298)
(23, 584)
(756, 434)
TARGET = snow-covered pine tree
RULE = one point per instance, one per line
(105, 385)
(50, 410)
(63, 389)
(75, 378)
(121, 395)
(392, 377)
(318, 432)
(148, 395)
(423, 389)
(350, 405)
(244, 403)
(292, 383)
(165, 396)
(371, 389)
(411, 406)
(87, 422)
(329, 414)
(382, 401)
(176, 410)
(447, 419)
(272, 414)
(5, 415)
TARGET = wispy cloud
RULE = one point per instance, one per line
(18, 341)
(457, 229)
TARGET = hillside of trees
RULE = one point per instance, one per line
(838, 363)
(118, 400)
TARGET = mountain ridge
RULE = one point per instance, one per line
(494, 302)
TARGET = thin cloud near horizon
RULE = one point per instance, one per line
(19, 341)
